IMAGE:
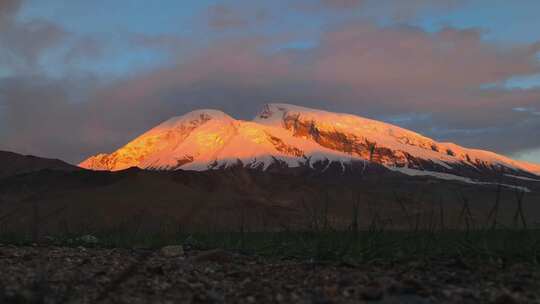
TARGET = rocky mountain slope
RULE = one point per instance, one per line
(288, 136)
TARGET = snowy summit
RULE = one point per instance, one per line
(293, 136)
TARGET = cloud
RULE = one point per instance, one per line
(23, 42)
(319, 6)
(8, 8)
(406, 10)
(222, 16)
(35, 112)
(166, 42)
(359, 68)
(341, 4)
(405, 62)
(397, 10)
(87, 47)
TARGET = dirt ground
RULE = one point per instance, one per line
(89, 275)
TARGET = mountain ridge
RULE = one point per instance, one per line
(12, 164)
(294, 136)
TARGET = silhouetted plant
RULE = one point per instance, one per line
(492, 215)
(519, 210)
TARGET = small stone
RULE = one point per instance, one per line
(372, 294)
(411, 286)
(348, 292)
(216, 255)
(215, 297)
(345, 280)
(331, 291)
(172, 251)
(157, 270)
(505, 299)
(89, 239)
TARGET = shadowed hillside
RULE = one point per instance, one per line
(60, 201)
(13, 163)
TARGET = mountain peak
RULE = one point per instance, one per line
(161, 139)
(274, 113)
(196, 116)
(293, 136)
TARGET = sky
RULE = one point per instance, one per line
(81, 77)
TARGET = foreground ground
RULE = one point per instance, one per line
(35, 274)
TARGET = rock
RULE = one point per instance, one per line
(505, 299)
(172, 251)
(89, 239)
(349, 291)
(216, 255)
(331, 291)
(372, 293)
(215, 297)
(411, 286)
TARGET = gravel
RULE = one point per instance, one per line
(93, 275)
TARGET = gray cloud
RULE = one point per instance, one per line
(24, 42)
(35, 113)
(8, 8)
(357, 67)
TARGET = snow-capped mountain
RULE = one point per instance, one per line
(285, 135)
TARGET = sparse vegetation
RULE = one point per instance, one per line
(425, 234)
(326, 244)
